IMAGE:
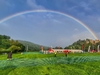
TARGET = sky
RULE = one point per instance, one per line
(50, 28)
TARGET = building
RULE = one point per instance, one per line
(92, 41)
(70, 50)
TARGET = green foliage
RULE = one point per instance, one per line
(4, 37)
(14, 48)
(7, 44)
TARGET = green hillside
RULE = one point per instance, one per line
(29, 46)
(86, 43)
(7, 44)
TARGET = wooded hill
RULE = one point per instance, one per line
(29, 46)
(7, 44)
(88, 42)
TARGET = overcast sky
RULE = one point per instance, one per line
(48, 28)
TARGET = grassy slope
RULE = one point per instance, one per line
(83, 68)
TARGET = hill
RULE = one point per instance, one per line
(29, 46)
(7, 44)
(86, 43)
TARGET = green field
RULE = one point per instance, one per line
(47, 64)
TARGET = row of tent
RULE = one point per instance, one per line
(52, 51)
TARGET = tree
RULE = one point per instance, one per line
(58, 47)
(14, 48)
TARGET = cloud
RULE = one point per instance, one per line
(86, 6)
(76, 29)
(5, 4)
(68, 40)
(86, 11)
(82, 35)
(34, 5)
(95, 4)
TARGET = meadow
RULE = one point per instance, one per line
(47, 64)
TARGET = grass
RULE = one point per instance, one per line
(47, 64)
(61, 69)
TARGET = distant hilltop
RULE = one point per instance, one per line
(86, 43)
(92, 41)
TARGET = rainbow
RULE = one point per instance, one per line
(31, 11)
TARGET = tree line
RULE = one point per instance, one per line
(7, 44)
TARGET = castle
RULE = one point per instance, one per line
(92, 41)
